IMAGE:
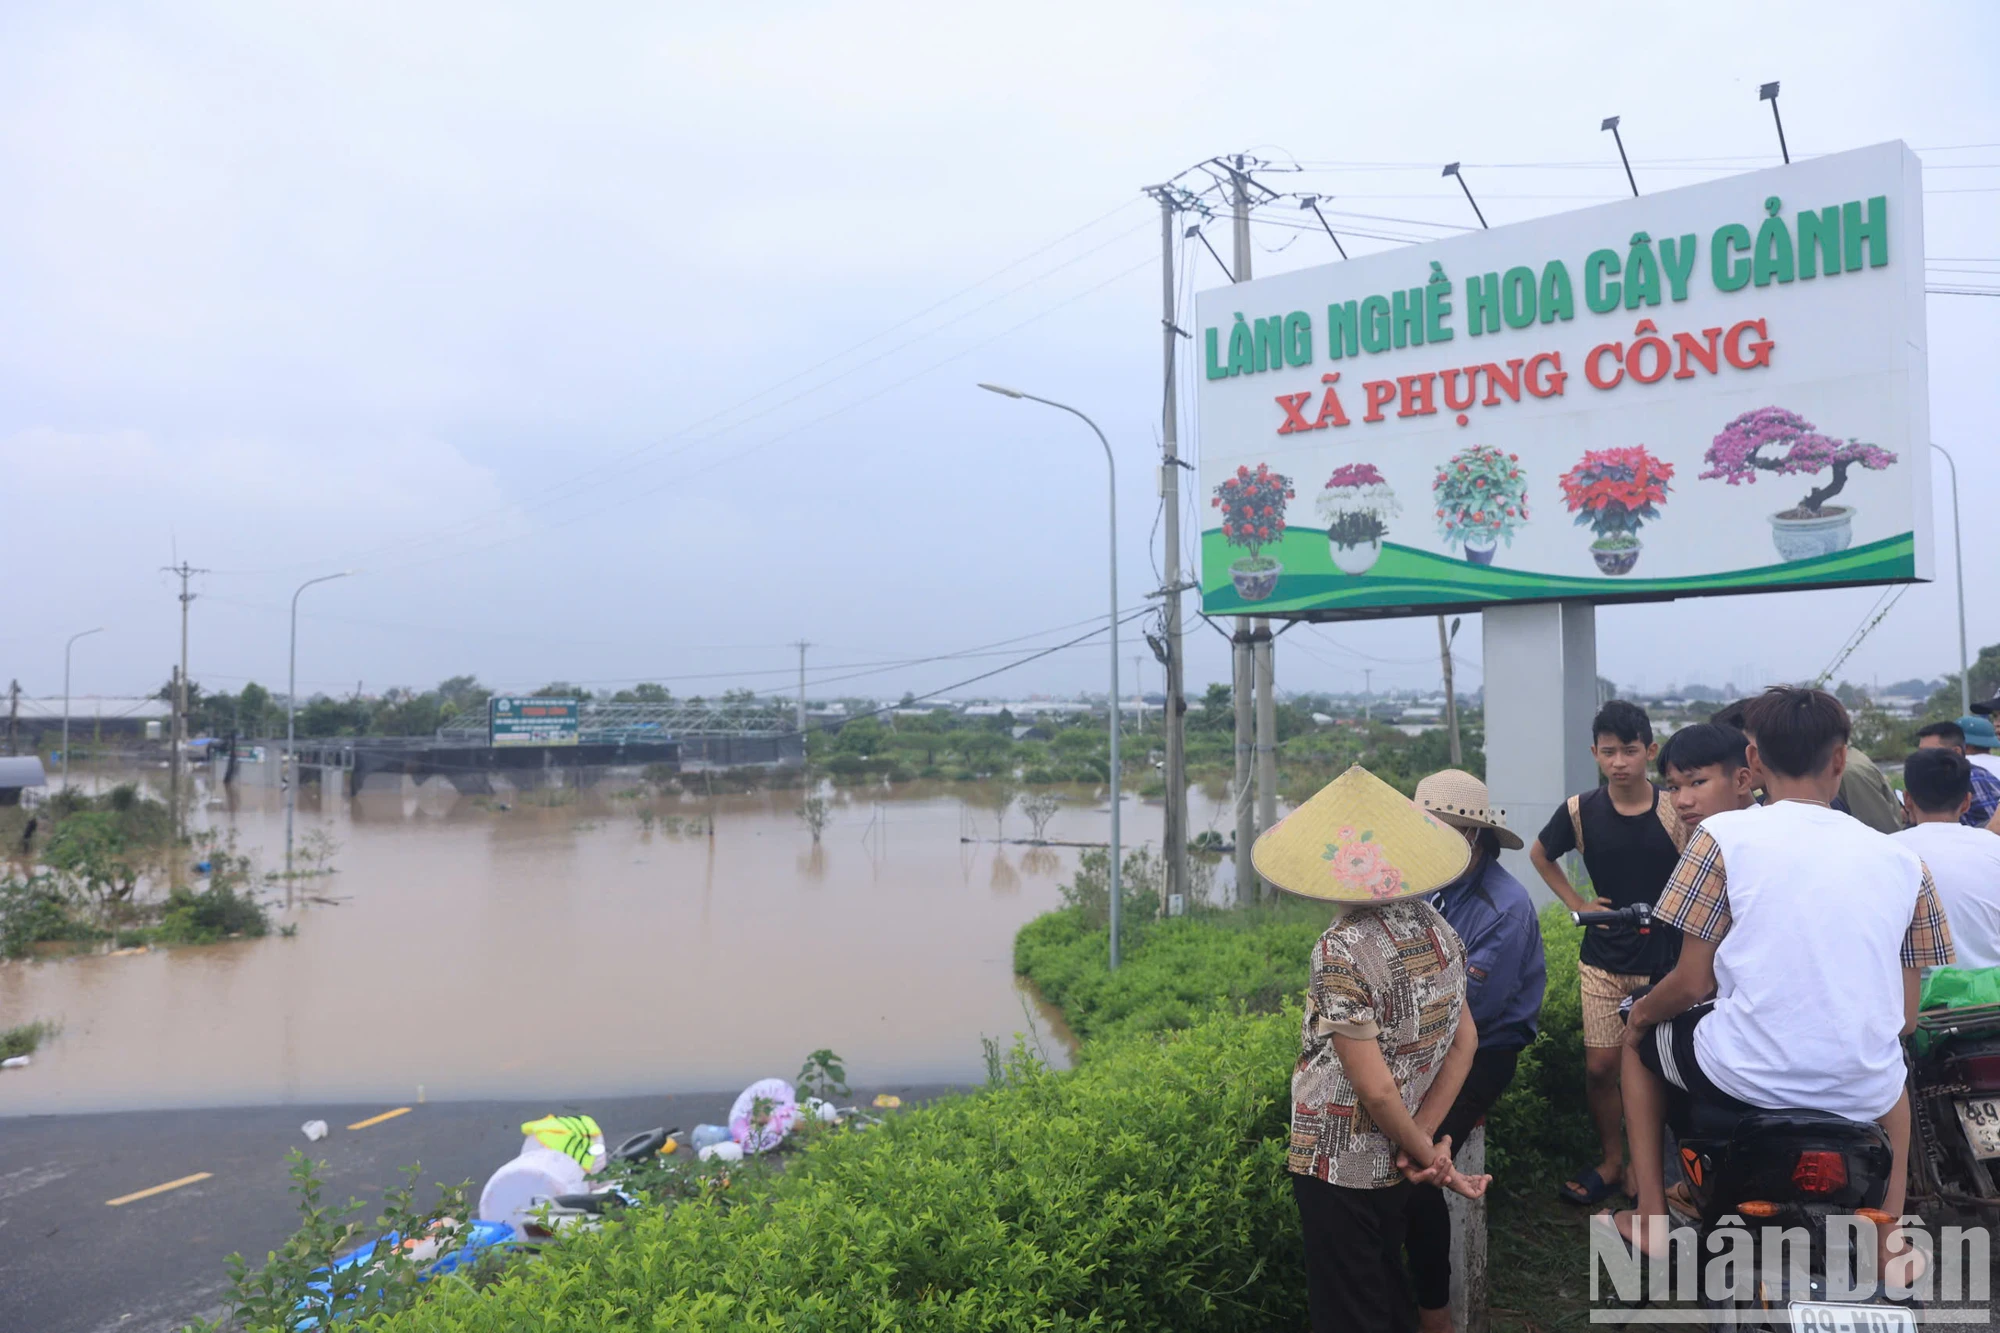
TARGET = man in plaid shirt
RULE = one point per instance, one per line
(1811, 931)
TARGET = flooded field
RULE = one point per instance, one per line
(604, 945)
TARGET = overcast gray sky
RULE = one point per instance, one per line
(635, 341)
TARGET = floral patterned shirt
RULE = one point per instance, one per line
(1395, 973)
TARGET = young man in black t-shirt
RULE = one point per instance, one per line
(1630, 839)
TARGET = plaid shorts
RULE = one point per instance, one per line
(1602, 993)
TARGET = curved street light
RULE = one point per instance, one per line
(291, 716)
(1958, 552)
(80, 634)
(1111, 466)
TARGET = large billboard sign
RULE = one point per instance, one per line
(533, 721)
(1715, 389)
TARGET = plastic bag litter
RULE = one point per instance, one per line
(314, 1130)
(721, 1152)
(705, 1136)
(782, 1114)
(887, 1101)
(17, 1062)
(538, 1173)
(575, 1136)
(827, 1112)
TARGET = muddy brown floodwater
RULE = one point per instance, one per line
(572, 949)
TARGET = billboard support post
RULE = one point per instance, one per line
(1958, 555)
(1540, 666)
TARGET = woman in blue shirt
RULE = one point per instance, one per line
(1505, 976)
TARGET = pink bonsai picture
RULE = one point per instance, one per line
(1253, 517)
(1772, 439)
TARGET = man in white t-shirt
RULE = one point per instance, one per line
(1964, 862)
(1755, 892)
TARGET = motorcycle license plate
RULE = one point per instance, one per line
(1980, 1118)
(1819, 1317)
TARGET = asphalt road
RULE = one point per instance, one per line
(74, 1261)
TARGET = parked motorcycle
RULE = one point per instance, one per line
(1793, 1168)
(1955, 1093)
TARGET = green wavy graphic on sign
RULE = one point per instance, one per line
(1406, 577)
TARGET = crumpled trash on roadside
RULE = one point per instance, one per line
(575, 1136)
(781, 1113)
(538, 1173)
(827, 1112)
(17, 1062)
(315, 1130)
(721, 1152)
(707, 1136)
(887, 1101)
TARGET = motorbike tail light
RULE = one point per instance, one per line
(1820, 1172)
(1981, 1072)
(1877, 1216)
(1757, 1208)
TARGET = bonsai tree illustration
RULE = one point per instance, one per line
(1482, 497)
(1772, 439)
(1357, 504)
(1613, 491)
(1252, 502)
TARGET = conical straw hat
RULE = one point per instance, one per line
(1359, 840)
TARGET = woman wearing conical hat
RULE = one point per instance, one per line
(1386, 1041)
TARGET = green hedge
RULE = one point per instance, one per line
(1144, 1190)
(1171, 972)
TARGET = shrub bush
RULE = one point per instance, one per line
(1145, 1189)
(1174, 971)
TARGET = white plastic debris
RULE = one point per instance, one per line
(827, 1112)
(17, 1062)
(314, 1130)
(722, 1152)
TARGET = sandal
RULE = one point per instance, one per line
(1587, 1189)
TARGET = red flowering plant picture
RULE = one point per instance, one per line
(1482, 499)
(1252, 501)
(1781, 442)
(1612, 492)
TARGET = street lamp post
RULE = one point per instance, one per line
(1958, 555)
(1111, 466)
(291, 717)
(81, 634)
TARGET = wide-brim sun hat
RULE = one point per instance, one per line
(1979, 731)
(1359, 841)
(1460, 800)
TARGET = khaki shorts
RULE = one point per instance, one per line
(1601, 993)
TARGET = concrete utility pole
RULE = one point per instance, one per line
(802, 645)
(185, 572)
(1450, 691)
(1243, 650)
(1174, 832)
(14, 714)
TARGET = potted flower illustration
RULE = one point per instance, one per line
(1611, 492)
(1482, 497)
(1772, 439)
(1357, 505)
(1253, 517)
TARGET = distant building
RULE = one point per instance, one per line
(92, 717)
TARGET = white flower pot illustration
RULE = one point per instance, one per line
(1356, 559)
(1812, 537)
